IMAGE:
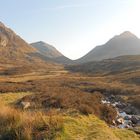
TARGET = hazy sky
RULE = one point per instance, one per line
(74, 27)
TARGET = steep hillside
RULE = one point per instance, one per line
(123, 44)
(16, 56)
(12, 47)
(50, 53)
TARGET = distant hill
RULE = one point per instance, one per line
(46, 49)
(109, 66)
(50, 53)
(123, 44)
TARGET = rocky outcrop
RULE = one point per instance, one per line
(25, 105)
(3, 41)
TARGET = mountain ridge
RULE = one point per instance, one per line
(13, 46)
(49, 52)
(124, 44)
(46, 49)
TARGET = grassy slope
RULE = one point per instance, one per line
(91, 128)
(61, 128)
(58, 127)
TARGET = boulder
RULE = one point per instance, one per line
(25, 105)
(121, 105)
(138, 124)
(127, 118)
(114, 122)
(119, 120)
(3, 41)
(130, 110)
(135, 119)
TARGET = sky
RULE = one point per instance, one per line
(74, 27)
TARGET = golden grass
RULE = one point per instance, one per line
(18, 125)
(38, 75)
(9, 98)
(125, 134)
(91, 128)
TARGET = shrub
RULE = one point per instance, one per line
(68, 98)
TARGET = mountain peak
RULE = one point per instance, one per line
(42, 43)
(127, 34)
(51, 52)
(124, 44)
(1, 24)
(46, 49)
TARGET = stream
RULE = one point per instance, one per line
(127, 115)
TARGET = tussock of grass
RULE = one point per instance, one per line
(18, 125)
(8, 98)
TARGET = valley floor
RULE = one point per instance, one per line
(53, 111)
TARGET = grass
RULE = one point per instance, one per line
(126, 135)
(61, 91)
(91, 128)
(9, 98)
(87, 128)
(19, 125)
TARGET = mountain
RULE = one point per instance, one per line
(12, 47)
(17, 56)
(123, 44)
(50, 53)
(46, 49)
